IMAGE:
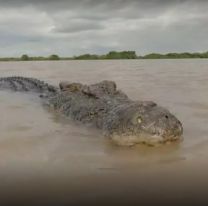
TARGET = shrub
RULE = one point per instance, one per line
(24, 57)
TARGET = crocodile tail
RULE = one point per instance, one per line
(25, 84)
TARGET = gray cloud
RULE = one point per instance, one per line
(75, 25)
(69, 27)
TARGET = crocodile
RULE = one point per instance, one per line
(124, 121)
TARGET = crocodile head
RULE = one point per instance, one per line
(142, 123)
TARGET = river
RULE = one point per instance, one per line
(46, 159)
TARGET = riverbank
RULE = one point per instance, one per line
(110, 55)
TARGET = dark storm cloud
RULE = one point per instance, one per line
(77, 26)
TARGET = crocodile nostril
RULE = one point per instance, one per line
(166, 116)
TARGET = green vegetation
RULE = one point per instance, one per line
(54, 57)
(86, 56)
(110, 55)
(25, 57)
(121, 55)
(184, 55)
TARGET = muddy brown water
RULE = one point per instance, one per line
(47, 159)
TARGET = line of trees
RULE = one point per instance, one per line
(175, 55)
(25, 57)
(111, 55)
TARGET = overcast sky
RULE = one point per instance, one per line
(72, 27)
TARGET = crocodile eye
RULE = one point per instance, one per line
(139, 120)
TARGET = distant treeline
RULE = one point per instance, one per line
(175, 55)
(111, 55)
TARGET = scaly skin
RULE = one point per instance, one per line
(125, 121)
(25, 84)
